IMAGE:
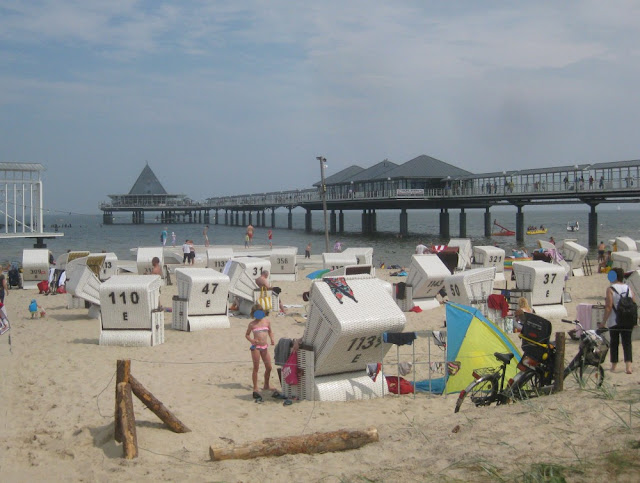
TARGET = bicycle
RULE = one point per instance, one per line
(536, 370)
(592, 352)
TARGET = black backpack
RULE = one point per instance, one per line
(626, 312)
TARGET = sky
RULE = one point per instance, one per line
(234, 97)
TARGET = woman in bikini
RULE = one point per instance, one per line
(258, 334)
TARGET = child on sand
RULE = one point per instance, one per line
(33, 308)
(258, 333)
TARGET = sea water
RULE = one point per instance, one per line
(86, 232)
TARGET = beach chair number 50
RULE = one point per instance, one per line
(455, 290)
(133, 296)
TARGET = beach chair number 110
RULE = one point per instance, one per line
(135, 298)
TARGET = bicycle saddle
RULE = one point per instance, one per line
(504, 357)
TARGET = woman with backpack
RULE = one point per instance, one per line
(618, 330)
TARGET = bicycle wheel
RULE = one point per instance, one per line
(481, 392)
(583, 375)
(526, 385)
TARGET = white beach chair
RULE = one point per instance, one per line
(242, 273)
(217, 257)
(627, 261)
(574, 255)
(130, 315)
(489, 256)
(426, 276)
(364, 255)
(283, 264)
(202, 300)
(465, 252)
(333, 261)
(341, 338)
(145, 255)
(625, 244)
(471, 287)
(543, 285)
(35, 267)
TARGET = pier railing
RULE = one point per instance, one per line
(621, 188)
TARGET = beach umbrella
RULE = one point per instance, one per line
(318, 273)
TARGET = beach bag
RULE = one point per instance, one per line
(290, 369)
(43, 286)
(265, 299)
(399, 385)
(626, 312)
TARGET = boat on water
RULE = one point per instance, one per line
(537, 231)
(503, 231)
(573, 226)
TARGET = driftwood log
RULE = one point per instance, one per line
(157, 407)
(308, 444)
(123, 371)
(127, 421)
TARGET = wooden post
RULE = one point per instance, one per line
(558, 376)
(127, 422)
(157, 407)
(123, 371)
(340, 440)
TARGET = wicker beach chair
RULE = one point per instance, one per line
(364, 255)
(283, 264)
(543, 285)
(35, 267)
(341, 338)
(217, 257)
(627, 261)
(471, 287)
(130, 312)
(333, 261)
(490, 256)
(202, 300)
(426, 276)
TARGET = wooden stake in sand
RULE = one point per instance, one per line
(558, 367)
(308, 444)
(125, 420)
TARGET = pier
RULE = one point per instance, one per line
(423, 183)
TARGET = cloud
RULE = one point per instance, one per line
(263, 87)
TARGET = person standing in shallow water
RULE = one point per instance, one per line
(307, 251)
(205, 234)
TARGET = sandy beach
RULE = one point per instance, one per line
(57, 410)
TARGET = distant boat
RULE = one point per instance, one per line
(573, 226)
(503, 231)
(537, 231)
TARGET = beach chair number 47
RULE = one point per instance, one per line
(205, 289)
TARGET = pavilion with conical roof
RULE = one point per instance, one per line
(148, 194)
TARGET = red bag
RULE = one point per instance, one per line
(61, 289)
(43, 286)
(405, 386)
(290, 369)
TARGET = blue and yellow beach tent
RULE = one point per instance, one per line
(471, 341)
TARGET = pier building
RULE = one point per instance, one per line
(422, 183)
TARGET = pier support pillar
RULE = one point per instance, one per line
(237, 218)
(463, 224)
(264, 216)
(404, 222)
(487, 222)
(206, 217)
(341, 222)
(226, 217)
(332, 222)
(290, 220)
(444, 223)
(251, 220)
(520, 225)
(593, 227)
(365, 221)
(244, 218)
(307, 221)
(374, 221)
(273, 217)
